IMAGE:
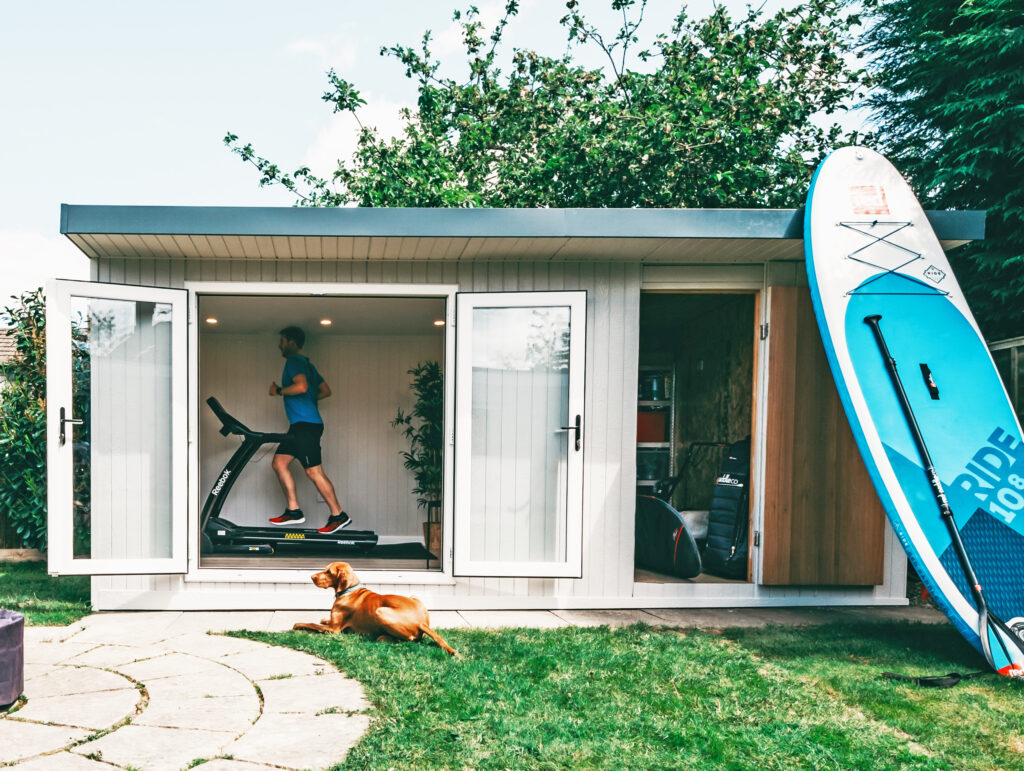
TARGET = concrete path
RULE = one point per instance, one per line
(155, 691)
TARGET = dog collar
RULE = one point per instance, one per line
(346, 591)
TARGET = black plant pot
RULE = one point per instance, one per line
(12, 656)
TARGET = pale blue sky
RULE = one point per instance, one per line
(122, 102)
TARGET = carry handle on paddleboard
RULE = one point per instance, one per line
(985, 616)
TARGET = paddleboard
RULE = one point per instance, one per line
(872, 252)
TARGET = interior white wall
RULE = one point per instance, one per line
(369, 378)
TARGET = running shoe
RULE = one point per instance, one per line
(290, 517)
(335, 523)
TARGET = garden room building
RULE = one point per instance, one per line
(570, 359)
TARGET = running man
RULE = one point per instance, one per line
(302, 387)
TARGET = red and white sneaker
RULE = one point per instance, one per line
(335, 523)
(290, 517)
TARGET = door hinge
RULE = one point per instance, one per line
(764, 331)
(757, 538)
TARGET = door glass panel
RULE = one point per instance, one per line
(519, 450)
(121, 392)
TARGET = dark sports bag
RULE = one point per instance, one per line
(725, 553)
(663, 543)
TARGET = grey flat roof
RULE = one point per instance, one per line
(649, 235)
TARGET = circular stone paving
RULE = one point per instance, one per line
(155, 691)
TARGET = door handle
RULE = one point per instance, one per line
(578, 428)
(63, 421)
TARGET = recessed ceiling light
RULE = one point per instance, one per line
(211, 320)
(325, 322)
(439, 322)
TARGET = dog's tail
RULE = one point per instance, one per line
(424, 629)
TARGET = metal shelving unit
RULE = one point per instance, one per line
(651, 455)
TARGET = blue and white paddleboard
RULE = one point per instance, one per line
(872, 252)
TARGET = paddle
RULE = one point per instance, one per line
(986, 618)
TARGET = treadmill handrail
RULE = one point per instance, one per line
(232, 425)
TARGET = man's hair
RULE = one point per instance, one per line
(295, 334)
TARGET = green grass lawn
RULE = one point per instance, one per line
(42, 600)
(652, 698)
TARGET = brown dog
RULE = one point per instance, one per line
(386, 617)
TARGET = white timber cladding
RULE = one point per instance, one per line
(613, 295)
(369, 380)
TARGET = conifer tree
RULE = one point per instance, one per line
(950, 109)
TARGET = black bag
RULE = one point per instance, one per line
(663, 543)
(725, 553)
(12, 656)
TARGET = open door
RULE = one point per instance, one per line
(520, 434)
(823, 522)
(116, 404)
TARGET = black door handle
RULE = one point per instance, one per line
(578, 428)
(63, 421)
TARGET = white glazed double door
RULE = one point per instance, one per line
(117, 431)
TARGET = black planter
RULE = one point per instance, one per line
(12, 656)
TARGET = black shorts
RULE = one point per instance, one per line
(303, 442)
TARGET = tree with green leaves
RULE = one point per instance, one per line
(715, 112)
(950, 108)
(23, 424)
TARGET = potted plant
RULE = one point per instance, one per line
(423, 427)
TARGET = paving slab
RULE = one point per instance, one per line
(172, 664)
(222, 764)
(137, 628)
(64, 681)
(62, 761)
(39, 634)
(220, 621)
(25, 740)
(299, 741)
(605, 617)
(54, 652)
(212, 646)
(447, 619)
(36, 670)
(314, 694)
(283, 620)
(707, 618)
(106, 656)
(226, 683)
(491, 619)
(232, 714)
(96, 711)
(155, 749)
(922, 615)
(275, 662)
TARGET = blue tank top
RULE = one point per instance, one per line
(301, 408)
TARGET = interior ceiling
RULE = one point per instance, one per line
(267, 314)
(671, 311)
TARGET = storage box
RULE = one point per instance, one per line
(652, 464)
(651, 426)
(12, 656)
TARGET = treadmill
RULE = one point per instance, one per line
(222, 536)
